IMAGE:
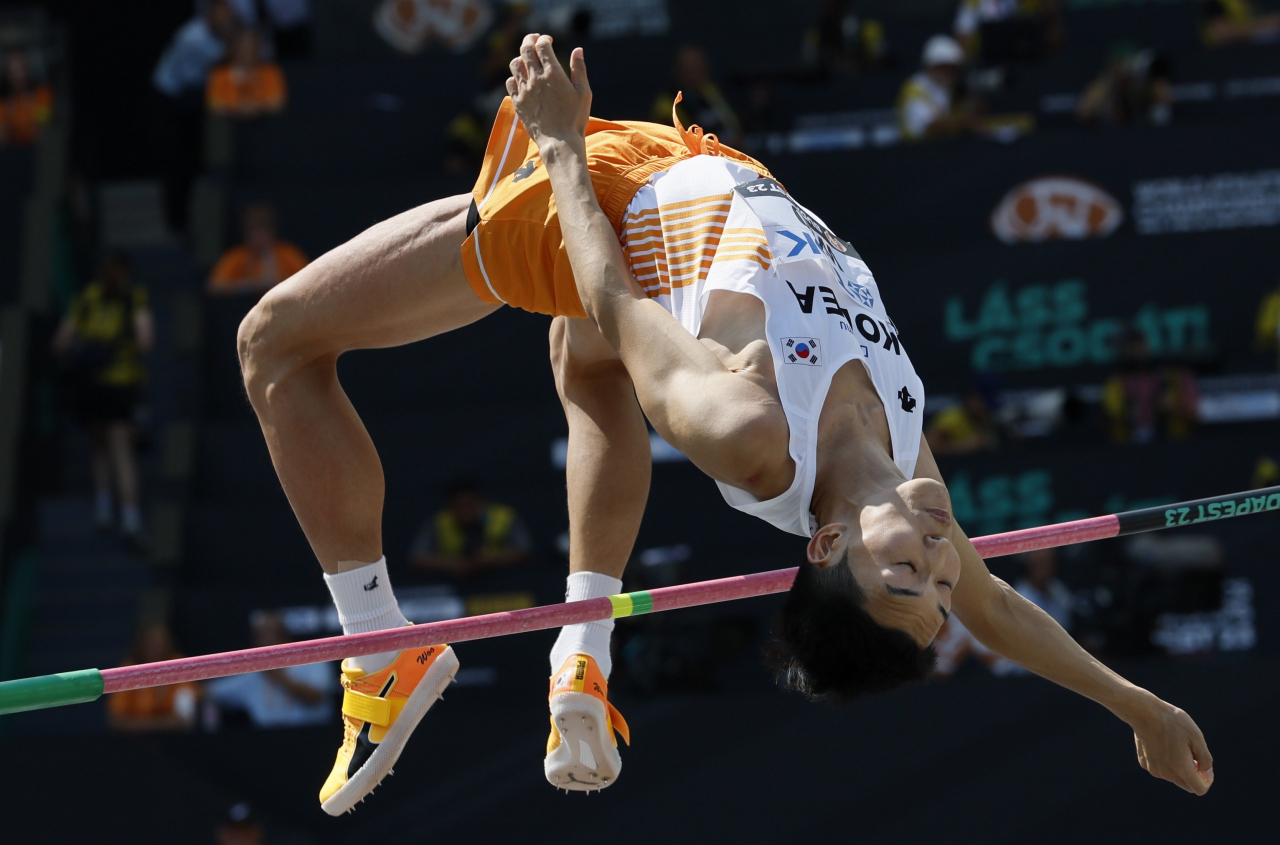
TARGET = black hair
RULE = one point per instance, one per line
(829, 647)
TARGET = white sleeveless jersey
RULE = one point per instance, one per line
(710, 224)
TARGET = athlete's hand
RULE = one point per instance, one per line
(552, 106)
(1170, 746)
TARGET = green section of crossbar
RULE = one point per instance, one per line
(50, 691)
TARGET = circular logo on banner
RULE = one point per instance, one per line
(802, 350)
(1054, 207)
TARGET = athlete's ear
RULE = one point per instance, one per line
(827, 545)
(578, 70)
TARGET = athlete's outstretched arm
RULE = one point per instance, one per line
(719, 420)
(609, 463)
(1169, 744)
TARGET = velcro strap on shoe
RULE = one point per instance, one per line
(366, 708)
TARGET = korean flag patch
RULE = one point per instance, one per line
(800, 350)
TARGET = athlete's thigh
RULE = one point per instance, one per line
(395, 283)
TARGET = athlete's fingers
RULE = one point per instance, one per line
(529, 53)
(546, 54)
(1189, 775)
(518, 70)
(511, 86)
(578, 70)
(1200, 751)
(1184, 774)
(1202, 763)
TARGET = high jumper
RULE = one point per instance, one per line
(687, 287)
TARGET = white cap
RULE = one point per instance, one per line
(942, 50)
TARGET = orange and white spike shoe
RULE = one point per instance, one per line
(379, 712)
(582, 752)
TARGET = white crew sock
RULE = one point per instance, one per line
(365, 603)
(589, 638)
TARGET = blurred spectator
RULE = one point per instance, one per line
(193, 51)
(761, 114)
(101, 342)
(246, 86)
(927, 105)
(503, 45)
(240, 828)
(1225, 22)
(964, 428)
(261, 262)
(1146, 396)
(955, 645)
(409, 25)
(701, 101)
(468, 133)
(179, 79)
(1132, 87)
(1267, 329)
(279, 698)
(1040, 586)
(25, 104)
(286, 22)
(167, 708)
(841, 42)
(470, 535)
(1266, 473)
(1008, 30)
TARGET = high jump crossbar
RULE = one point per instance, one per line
(89, 684)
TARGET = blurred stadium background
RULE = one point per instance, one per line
(1084, 266)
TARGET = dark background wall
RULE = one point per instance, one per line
(724, 756)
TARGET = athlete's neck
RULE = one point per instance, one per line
(854, 450)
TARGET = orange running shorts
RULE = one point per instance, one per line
(514, 253)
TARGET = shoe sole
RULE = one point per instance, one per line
(379, 764)
(586, 759)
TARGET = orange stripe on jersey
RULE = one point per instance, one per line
(678, 241)
(759, 256)
(662, 265)
(723, 199)
(673, 208)
(672, 234)
(717, 206)
(675, 245)
(725, 243)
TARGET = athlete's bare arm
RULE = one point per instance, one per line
(609, 462)
(727, 425)
(1169, 744)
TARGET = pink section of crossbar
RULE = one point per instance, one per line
(540, 618)
(417, 636)
(1048, 536)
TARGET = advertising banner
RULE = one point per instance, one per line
(1034, 260)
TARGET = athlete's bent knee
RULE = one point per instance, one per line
(270, 346)
(253, 348)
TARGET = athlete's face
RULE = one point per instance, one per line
(902, 556)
